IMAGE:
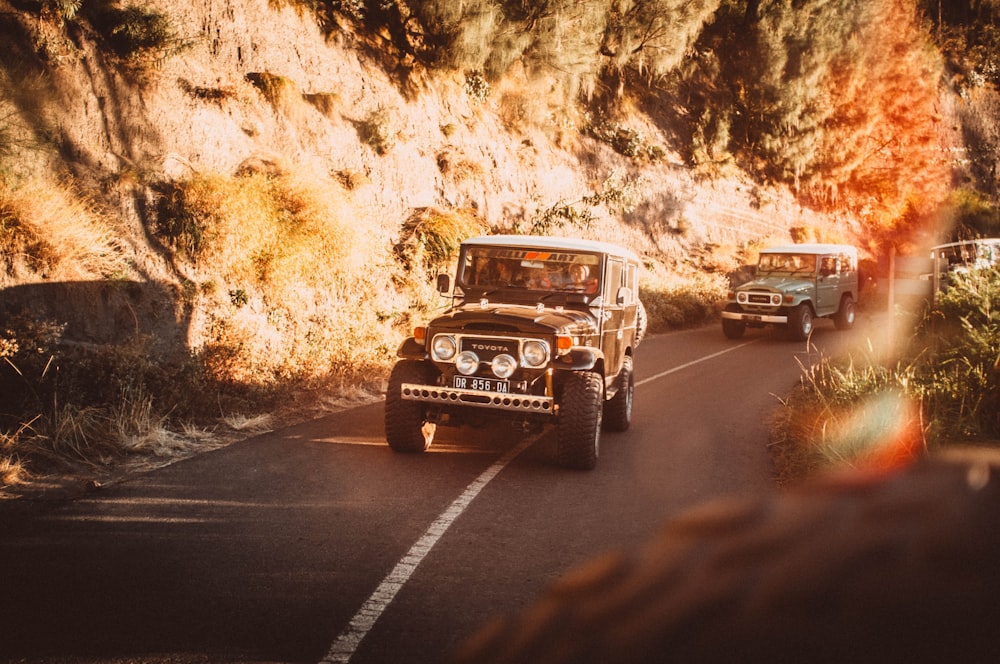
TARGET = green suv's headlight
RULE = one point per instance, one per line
(467, 363)
(443, 347)
(534, 353)
(503, 365)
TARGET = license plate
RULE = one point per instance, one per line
(483, 384)
(754, 318)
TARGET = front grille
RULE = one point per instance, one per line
(486, 348)
(759, 298)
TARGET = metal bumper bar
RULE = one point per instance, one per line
(445, 396)
(754, 318)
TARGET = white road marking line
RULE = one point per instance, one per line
(350, 638)
(692, 363)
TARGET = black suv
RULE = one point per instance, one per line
(541, 330)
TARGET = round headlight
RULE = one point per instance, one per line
(741, 298)
(776, 299)
(503, 365)
(467, 362)
(534, 353)
(443, 347)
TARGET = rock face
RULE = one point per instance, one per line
(900, 568)
(257, 86)
(255, 79)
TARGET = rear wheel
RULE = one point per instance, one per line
(579, 427)
(406, 425)
(800, 322)
(844, 320)
(618, 410)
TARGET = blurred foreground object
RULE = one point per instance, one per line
(900, 567)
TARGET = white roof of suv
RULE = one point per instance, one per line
(554, 243)
(812, 249)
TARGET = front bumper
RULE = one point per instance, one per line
(755, 318)
(453, 396)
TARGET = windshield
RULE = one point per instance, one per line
(977, 254)
(804, 263)
(493, 268)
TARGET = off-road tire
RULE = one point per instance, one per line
(800, 322)
(733, 329)
(844, 318)
(618, 409)
(405, 424)
(865, 569)
(578, 430)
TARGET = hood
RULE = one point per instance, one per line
(513, 318)
(778, 284)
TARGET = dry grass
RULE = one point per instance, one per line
(281, 92)
(858, 415)
(313, 294)
(864, 411)
(54, 229)
(674, 301)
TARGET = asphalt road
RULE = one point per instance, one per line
(270, 549)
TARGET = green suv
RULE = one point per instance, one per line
(540, 330)
(793, 286)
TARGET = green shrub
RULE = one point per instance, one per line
(379, 130)
(140, 36)
(943, 390)
(684, 303)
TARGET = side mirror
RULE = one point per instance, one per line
(444, 283)
(623, 296)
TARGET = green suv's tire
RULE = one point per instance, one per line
(618, 410)
(844, 319)
(405, 424)
(733, 329)
(579, 427)
(800, 322)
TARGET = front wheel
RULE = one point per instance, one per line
(733, 329)
(618, 410)
(844, 319)
(578, 435)
(800, 322)
(406, 427)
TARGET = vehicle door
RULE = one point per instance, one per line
(827, 285)
(613, 317)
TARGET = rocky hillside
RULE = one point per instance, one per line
(254, 84)
(228, 182)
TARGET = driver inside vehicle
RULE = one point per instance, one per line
(581, 279)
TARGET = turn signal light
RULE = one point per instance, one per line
(563, 344)
(420, 334)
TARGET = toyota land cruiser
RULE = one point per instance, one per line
(794, 285)
(540, 330)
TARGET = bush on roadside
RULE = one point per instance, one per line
(677, 303)
(944, 389)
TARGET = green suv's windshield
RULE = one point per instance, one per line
(795, 263)
(494, 268)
